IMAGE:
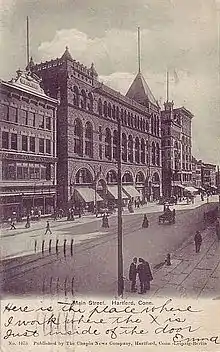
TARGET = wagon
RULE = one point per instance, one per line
(168, 217)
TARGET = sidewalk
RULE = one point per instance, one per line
(191, 275)
(147, 208)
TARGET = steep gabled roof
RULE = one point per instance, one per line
(66, 55)
(140, 91)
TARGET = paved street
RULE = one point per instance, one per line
(92, 269)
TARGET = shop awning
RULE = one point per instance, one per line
(88, 194)
(114, 192)
(131, 191)
(191, 189)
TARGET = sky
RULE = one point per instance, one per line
(178, 35)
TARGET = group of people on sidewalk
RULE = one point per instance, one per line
(143, 271)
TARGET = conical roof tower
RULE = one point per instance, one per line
(139, 89)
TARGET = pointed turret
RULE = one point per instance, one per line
(140, 91)
(93, 71)
(66, 55)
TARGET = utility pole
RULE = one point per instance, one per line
(120, 251)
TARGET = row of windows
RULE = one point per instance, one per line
(106, 109)
(132, 150)
(25, 171)
(10, 141)
(23, 117)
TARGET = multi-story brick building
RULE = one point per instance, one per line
(209, 176)
(87, 133)
(196, 173)
(27, 147)
(176, 149)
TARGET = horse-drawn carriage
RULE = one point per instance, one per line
(167, 216)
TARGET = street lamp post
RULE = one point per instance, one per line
(120, 252)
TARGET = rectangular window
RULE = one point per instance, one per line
(40, 121)
(48, 146)
(31, 119)
(25, 172)
(4, 112)
(24, 143)
(5, 140)
(43, 172)
(9, 171)
(23, 117)
(41, 145)
(32, 144)
(48, 122)
(100, 151)
(12, 114)
(19, 171)
(48, 172)
(37, 172)
(14, 141)
(31, 171)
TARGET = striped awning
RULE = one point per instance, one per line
(131, 191)
(113, 190)
(88, 194)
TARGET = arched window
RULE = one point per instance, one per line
(115, 144)
(113, 112)
(108, 144)
(109, 110)
(130, 149)
(141, 124)
(152, 124)
(124, 147)
(127, 177)
(142, 151)
(155, 126)
(138, 122)
(157, 154)
(147, 126)
(122, 116)
(139, 177)
(83, 176)
(83, 99)
(147, 152)
(105, 109)
(78, 137)
(90, 104)
(144, 125)
(100, 107)
(135, 121)
(125, 118)
(158, 126)
(153, 153)
(76, 96)
(111, 177)
(117, 113)
(129, 119)
(88, 140)
(137, 150)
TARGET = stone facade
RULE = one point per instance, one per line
(27, 147)
(87, 127)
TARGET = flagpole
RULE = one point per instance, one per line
(167, 85)
(139, 51)
(28, 47)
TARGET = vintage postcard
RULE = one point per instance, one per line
(109, 175)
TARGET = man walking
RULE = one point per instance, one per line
(145, 275)
(12, 224)
(133, 274)
(48, 228)
(198, 241)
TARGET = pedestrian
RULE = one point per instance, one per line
(105, 221)
(145, 275)
(198, 241)
(48, 228)
(133, 274)
(28, 224)
(145, 222)
(217, 228)
(12, 224)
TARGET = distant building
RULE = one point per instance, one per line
(88, 135)
(196, 173)
(176, 144)
(27, 147)
(209, 176)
